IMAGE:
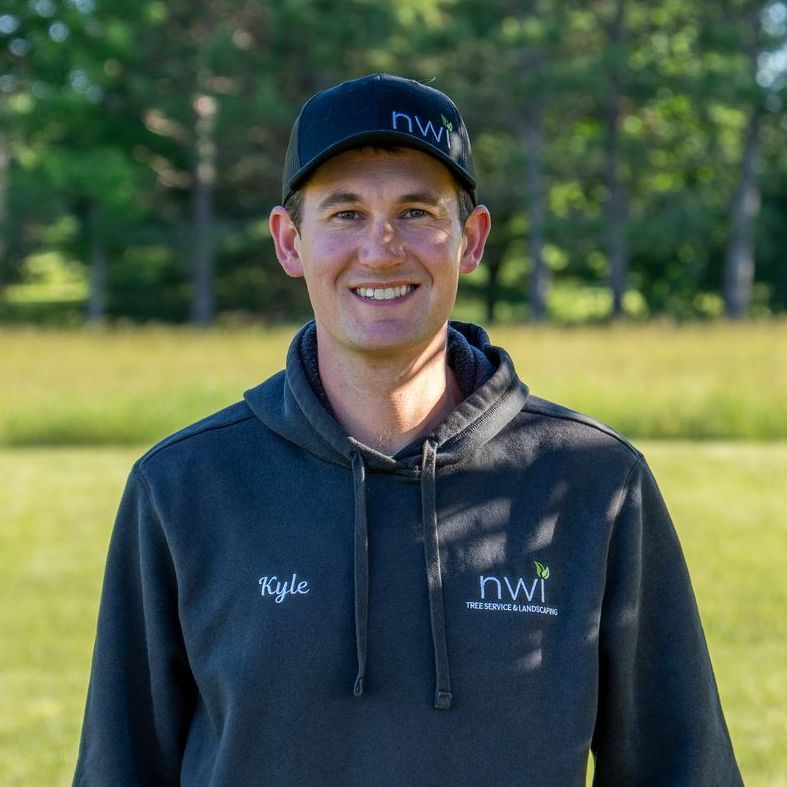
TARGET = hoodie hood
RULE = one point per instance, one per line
(293, 404)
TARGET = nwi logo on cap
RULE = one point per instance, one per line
(413, 124)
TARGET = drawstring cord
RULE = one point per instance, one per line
(443, 695)
(361, 568)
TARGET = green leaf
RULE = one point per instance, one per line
(542, 570)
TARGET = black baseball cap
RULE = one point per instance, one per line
(379, 109)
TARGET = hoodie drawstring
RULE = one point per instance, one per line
(443, 696)
(361, 567)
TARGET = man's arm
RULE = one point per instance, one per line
(141, 693)
(660, 720)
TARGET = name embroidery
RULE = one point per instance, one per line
(280, 589)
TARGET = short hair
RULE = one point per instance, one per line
(294, 203)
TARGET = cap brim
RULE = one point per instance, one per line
(384, 138)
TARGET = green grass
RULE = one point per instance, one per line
(703, 381)
(57, 506)
(727, 501)
(713, 381)
(124, 386)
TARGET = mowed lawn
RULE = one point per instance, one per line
(57, 507)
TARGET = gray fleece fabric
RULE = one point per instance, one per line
(283, 605)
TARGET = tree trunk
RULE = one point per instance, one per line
(533, 141)
(615, 208)
(740, 257)
(202, 307)
(97, 298)
(531, 66)
(739, 264)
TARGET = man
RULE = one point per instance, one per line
(391, 564)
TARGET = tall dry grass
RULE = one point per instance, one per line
(649, 381)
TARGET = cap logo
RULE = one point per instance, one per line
(414, 125)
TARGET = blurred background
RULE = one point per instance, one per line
(633, 155)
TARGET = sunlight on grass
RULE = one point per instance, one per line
(56, 506)
(708, 381)
(728, 504)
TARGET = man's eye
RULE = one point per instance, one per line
(416, 213)
(347, 214)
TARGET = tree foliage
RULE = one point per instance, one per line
(631, 145)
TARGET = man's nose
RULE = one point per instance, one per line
(381, 244)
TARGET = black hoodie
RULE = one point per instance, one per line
(284, 605)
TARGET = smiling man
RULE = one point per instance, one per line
(391, 564)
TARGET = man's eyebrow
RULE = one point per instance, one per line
(338, 198)
(424, 197)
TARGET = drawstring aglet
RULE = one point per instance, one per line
(358, 688)
(443, 700)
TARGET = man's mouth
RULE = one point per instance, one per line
(384, 293)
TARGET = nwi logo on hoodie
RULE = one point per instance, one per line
(514, 594)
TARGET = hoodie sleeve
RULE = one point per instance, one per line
(141, 692)
(659, 720)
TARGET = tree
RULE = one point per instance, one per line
(763, 26)
(620, 146)
(616, 207)
(63, 135)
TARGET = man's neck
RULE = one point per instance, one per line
(387, 401)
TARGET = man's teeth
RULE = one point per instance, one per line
(384, 293)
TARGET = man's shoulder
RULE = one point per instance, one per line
(222, 426)
(578, 427)
(233, 433)
(199, 436)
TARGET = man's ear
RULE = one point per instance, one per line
(286, 240)
(476, 231)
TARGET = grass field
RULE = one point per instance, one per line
(135, 386)
(76, 408)
(58, 503)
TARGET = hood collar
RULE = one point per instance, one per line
(288, 404)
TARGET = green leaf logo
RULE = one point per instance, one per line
(446, 122)
(542, 570)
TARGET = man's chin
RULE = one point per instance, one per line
(396, 342)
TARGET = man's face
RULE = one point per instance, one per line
(381, 248)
